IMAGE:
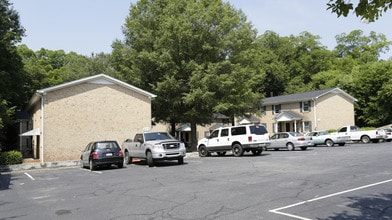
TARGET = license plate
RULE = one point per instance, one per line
(109, 154)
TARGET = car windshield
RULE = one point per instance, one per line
(157, 136)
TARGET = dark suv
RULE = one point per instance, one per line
(102, 153)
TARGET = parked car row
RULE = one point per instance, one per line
(154, 146)
(149, 146)
(226, 139)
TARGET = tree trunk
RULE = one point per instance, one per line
(193, 136)
(173, 129)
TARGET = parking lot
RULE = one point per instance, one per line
(351, 182)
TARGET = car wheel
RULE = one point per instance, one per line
(120, 165)
(329, 143)
(203, 152)
(290, 146)
(304, 148)
(237, 150)
(127, 159)
(180, 160)
(256, 151)
(91, 165)
(365, 139)
(150, 160)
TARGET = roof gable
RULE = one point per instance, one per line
(304, 96)
(102, 79)
(97, 79)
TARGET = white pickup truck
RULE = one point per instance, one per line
(366, 136)
(153, 146)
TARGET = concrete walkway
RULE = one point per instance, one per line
(36, 164)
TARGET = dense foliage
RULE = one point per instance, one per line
(368, 10)
(202, 57)
(11, 77)
(11, 157)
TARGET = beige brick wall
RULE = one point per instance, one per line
(76, 115)
(334, 111)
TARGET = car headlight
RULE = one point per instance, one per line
(158, 147)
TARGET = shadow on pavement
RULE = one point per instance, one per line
(375, 207)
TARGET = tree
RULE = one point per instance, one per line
(12, 79)
(275, 60)
(362, 48)
(199, 57)
(368, 10)
(372, 87)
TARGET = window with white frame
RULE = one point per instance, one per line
(305, 106)
(276, 109)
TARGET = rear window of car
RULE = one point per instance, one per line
(107, 145)
(258, 129)
(238, 131)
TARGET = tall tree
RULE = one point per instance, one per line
(11, 83)
(362, 48)
(200, 57)
(372, 87)
(277, 53)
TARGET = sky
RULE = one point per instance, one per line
(91, 26)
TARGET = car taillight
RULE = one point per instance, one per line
(120, 153)
(301, 139)
(95, 155)
(250, 138)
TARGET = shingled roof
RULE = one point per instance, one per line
(305, 96)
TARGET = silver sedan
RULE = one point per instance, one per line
(290, 141)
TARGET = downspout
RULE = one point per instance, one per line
(315, 113)
(42, 94)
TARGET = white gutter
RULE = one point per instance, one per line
(42, 94)
(315, 113)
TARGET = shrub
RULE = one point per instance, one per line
(11, 157)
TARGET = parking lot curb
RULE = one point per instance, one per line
(71, 163)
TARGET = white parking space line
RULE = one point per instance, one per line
(277, 210)
(31, 177)
(94, 171)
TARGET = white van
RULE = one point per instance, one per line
(237, 139)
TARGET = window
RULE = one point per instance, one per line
(214, 134)
(258, 129)
(225, 132)
(307, 126)
(305, 106)
(238, 130)
(276, 109)
(264, 110)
